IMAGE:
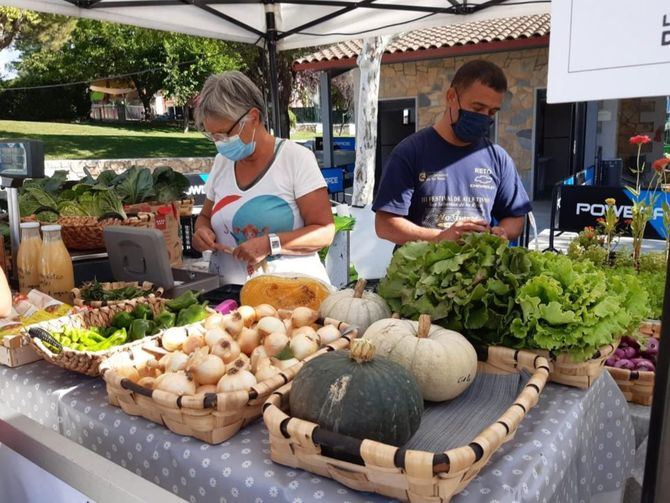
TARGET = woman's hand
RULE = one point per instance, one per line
(253, 251)
(204, 239)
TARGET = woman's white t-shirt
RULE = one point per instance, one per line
(267, 206)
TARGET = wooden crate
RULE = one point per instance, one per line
(16, 351)
(406, 475)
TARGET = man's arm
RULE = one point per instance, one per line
(510, 227)
(399, 230)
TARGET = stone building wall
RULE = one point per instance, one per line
(95, 166)
(427, 81)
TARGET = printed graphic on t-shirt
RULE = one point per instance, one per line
(261, 216)
(443, 211)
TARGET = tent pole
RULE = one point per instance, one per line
(326, 119)
(272, 60)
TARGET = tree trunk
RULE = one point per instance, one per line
(285, 82)
(369, 62)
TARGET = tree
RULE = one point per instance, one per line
(12, 20)
(343, 97)
(189, 61)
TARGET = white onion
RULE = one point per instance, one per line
(288, 324)
(275, 343)
(269, 324)
(128, 372)
(266, 372)
(214, 321)
(257, 355)
(248, 340)
(248, 314)
(284, 364)
(173, 338)
(147, 382)
(263, 310)
(242, 362)
(176, 382)
(236, 380)
(172, 362)
(304, 316)
(193, 342)
(226, 350)
(205, 388)
(328, 334)
(207, 369)
(306, 331)
(233, 323)
(302, 346)
(215, 335)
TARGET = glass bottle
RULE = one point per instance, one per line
(56, 271)
(28, 257)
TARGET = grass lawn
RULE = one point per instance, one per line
(109, 141)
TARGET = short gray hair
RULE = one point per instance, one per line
(228, 95)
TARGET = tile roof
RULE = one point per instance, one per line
(510, 28)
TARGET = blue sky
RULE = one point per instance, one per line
(7, 56)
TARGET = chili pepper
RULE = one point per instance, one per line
(185, 300)
(165, 319)
(122, 320)
(139, 329)
(143, 311)
(191, 314)
(92, 339)
(65, 341)
(118, 337)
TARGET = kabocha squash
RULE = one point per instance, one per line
(443, 362)
(355, 307)
(284, 291)
(357, 394)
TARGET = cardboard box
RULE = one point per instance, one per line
(166, 220)
(14, 352)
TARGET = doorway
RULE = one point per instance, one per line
(559, 142)
(395, 122)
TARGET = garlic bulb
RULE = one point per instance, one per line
(328, 334)
(275, 342)
(248, 340)
(304, 316)
(173, 338)
(193, 342)
(248, 315)
(269, 325)
(233, 323)
(257, 355)
(205, 368)
(226, 350)
(236, 380)
(266, 372)
(176, 382)
(214, 321)
(264, 310)
(302, 346)
(172, 362)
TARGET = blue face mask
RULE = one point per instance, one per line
(471, 126)
(234, 148)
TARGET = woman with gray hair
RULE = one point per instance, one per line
(266, 197)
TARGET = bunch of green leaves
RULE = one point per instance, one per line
(575, 307)
(95, 291)
(90, 200)
(169, 185)
(39, 196)
(468, 286)
(135, 185)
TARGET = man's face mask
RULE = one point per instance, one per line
(470, 126)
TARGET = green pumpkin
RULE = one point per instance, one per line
(357, 395)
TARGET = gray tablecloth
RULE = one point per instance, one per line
(575, 444)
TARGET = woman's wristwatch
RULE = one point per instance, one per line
(275, 244)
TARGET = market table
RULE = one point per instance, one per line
(575, 445)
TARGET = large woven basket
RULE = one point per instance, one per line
(406, 475)
(86, 233)
(563, 370)
(638, 386)
(88, 362)
(212, 418)
(149, 293)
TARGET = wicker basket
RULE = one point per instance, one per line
(213, 418)
(88, 362)
(636, 385)
(85, 233)
(406, 475)
(563, 370)
(146, 286)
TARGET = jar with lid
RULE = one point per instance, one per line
(56, 271)
(28, 257)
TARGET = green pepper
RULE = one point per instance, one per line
(65, 341)
(185, 300)
(140, 328)
(92, 339)
(143, 311)
(118, 337)
(191, 314)
(165, 319)
(122, 320)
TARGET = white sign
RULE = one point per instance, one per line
(607, 49)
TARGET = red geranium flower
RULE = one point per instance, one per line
(661, 164)
(640, 139)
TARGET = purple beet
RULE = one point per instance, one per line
(652, 345)
(625, 364)
(620, 353)
(611, 360)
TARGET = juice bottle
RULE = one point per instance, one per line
(56, 272)
(28, 257)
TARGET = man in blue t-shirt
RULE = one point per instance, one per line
(449, 178)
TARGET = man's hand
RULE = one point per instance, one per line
(253, 251)
(457, 229)
(500, 232)
(204, 239)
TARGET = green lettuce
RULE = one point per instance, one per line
(169, 185)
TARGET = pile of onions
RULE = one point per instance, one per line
(235, 351)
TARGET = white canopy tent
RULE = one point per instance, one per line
(287, 24)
